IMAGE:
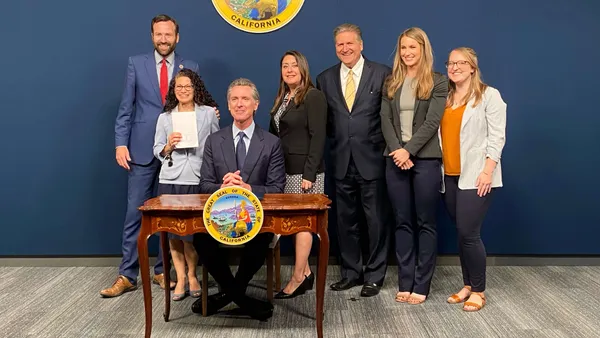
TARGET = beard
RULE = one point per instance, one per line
(171, 48)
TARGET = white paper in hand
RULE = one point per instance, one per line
(185, 123)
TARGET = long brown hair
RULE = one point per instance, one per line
(424, 78)
(305, 83)
(476, 86)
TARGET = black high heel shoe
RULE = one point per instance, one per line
(300, 290)
(311, 280)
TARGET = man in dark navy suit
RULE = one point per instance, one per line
(242, 155)
(146, 86)
(353, 91)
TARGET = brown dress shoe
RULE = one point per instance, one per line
(119, 287)
(160, 280)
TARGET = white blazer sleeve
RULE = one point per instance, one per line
(495, 114)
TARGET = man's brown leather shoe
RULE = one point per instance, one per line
(119, 287)
(160, 280)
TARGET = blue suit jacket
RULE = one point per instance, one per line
(264, 168)
(141, 105)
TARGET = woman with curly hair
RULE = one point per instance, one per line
(180, 169)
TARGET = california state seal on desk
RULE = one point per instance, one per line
(258, 16)
(233, 215)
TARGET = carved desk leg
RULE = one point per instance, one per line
(164, 241)
(144, 271)
(322, 269)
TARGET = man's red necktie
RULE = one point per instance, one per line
(164, 81)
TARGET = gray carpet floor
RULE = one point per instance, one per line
(522, 302)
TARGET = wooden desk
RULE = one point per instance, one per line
(285, 214)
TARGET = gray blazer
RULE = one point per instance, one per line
(482, 136)
(207, 123)
(425, 142)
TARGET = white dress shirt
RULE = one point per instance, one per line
(248, 132)
(356, 72)
(170, 59)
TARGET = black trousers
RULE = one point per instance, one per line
(354, 192)
(468, 211)
(415, 194)
(215, 259)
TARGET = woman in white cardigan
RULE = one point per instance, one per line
(473, 136)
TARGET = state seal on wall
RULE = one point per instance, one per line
(233, 215)
(258, 16)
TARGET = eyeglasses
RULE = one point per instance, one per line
(462, 63)
(186, 87)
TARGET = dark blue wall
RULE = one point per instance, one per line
(64, 63)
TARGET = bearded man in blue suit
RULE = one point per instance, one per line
(146, 85)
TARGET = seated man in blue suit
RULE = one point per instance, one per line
(146, 85)
(242, 155)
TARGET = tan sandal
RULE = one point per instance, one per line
(455, 298)
(476, 306)
(416, 301)
(402, 299)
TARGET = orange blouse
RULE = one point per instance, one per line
(450, 129)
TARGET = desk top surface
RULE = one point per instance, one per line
(269, 202)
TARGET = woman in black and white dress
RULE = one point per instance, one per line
(299, 118)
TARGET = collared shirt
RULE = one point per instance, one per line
(356, 71)
(248, 132)
(170, 60)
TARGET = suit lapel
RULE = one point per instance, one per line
(364, 79)
(152, 75)
(417, 103)
(469, 112)
(338, 85)
(397, 98)
(228, 150)
(253, 153)
(177, 61)
(287, 109)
